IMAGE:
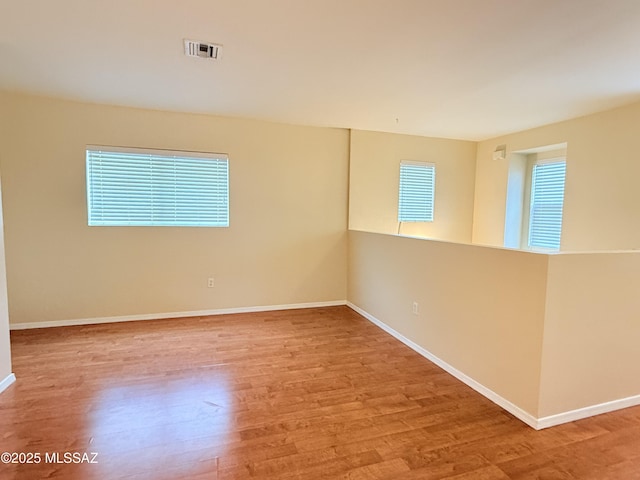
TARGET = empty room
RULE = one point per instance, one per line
(320, 239)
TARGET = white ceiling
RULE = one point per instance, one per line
(469, 69)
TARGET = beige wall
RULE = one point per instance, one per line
(481, 310)
(374, 177)
(602, 199)
(288, 213)
(592, 331)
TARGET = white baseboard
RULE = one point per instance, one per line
(590, 411)
(159, 316)
(516, 411)
(526, 417)
(9, 379)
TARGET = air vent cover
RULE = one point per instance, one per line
(194, 48)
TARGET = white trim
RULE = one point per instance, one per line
(513, 409)
(159, 316)
(526, 417)
(9, 379)
(536, 423)
(580, 413)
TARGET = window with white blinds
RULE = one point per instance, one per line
(416, 191)
(547, 198)
(135, 187)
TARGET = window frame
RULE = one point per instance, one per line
(167, 198)
(527, 211)
(408, 216)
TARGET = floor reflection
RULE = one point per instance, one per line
(177, 426)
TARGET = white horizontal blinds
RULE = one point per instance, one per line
(416, 192)
(547, 198)
(157, 188)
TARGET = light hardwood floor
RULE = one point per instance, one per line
(299, 394)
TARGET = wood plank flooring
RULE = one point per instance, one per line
(299, 394)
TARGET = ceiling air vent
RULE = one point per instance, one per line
(202, 49)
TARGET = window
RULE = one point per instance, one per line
(135, 187)
(417, 189)
(547, 198)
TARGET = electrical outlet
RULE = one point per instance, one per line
(211, 282)
(415, 308)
